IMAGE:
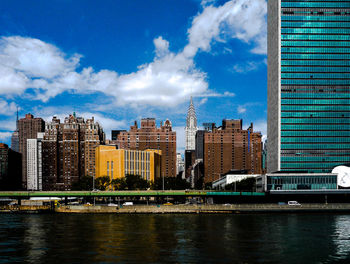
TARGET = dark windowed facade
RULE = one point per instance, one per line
(309, 81)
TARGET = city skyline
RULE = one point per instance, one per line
(98, 61)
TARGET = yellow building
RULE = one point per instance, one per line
(116, 163)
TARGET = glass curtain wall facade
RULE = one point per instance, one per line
(302, 182)
(313, 82)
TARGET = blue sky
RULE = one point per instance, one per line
(120, 61)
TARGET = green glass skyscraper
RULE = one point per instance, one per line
(308, 85)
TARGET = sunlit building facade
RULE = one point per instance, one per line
(308, 85)
(117, 163)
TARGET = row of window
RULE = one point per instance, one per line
(314, 127)
(315, 134)
(315, 59)
(330, 140)
(322, 4)
(315, 43)
(314, 37)
(310, 165)
(314, 50)
(314, 101)
(315, 146)
(314, 24)
(308, 115)
(315, 18)
(316, 69)
(330, 75)
(315, 82)
(301, 179)
(317, 95)
(310, 108)
(339, 159)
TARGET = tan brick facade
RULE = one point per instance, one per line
(148, 136)
(230, 148)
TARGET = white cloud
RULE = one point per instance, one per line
(9, 124)
(205, 3)
(167, 81)
(241, 109)
(203, 101)
(7, 108)
(35, 58)
(162, 46)
(247, 66)
(241, 19)
(5, 135)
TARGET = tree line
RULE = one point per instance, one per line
(130, 182)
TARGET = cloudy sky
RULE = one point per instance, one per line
(121, 60)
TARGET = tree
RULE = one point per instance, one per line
(83, 184)
(102, 183)
(170, 183)
(119, 184)
(247, 184)
(136, 182)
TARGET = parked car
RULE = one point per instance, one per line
(293, 203)
(128, 203)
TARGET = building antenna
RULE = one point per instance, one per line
(17, 120)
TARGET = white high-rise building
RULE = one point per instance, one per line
(191, 127)
(180, 163)
(34, 163)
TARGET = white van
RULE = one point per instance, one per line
(128, 203)
(293, 203)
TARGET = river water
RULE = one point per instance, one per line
(246, 238)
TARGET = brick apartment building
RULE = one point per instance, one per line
(69, 151)
(148, 136)
(28, 128)
(229, 147)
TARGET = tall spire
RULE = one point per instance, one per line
(191, 127)
(17, 120)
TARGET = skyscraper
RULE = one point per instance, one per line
(308, 85)
(191, 127)
(28, 127)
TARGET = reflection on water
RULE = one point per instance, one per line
(341, 237)
(34, 238)
(287, 238)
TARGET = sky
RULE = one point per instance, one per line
(121, 61)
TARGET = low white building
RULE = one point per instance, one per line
(34, 163)
(231, 178)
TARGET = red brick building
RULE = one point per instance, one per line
(148, 136)
(229, 147)
(28, 127)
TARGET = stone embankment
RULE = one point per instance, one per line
(210, 209)
(181, 209)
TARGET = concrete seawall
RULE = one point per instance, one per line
(207, 209)
(182, 209)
